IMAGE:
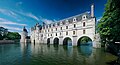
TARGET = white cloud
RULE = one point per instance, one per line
(98, 19)
(32, 16)
(11, 28)
(29, 15)
(18, 14)
(4, 21)
(46, 21)
(8, 13)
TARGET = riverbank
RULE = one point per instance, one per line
(8, 41)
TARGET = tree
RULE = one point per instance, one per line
(109, 25)
(13, 35)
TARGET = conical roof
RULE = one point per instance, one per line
(24, 29)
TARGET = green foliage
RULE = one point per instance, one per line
(13, 35)
(109, 25)
(4, 34)
(85, 39)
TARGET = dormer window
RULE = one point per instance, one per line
(66, 21)
(83, 17)
(60, 23)
(74, 19)
(53, 25)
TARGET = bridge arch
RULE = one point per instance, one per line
(48, 41)
(56, 41)
(67, 41)
(84, 40)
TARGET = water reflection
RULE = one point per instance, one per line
(40, 54)
(85, 50)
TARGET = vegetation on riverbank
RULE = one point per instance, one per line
(109, 25)
(7, 35)
(109, 28)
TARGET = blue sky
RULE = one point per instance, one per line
(14, 14)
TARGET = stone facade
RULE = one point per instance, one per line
(24, 35)
(68, 30)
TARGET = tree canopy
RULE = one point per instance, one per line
(109, 25)
(5, 34)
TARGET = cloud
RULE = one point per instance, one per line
(32, 16)
(11, 28)
(8, 13)
(18, 15)
(27, 14)
(4, 21)
(98, 19)
(46, 21)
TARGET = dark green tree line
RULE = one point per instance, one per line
(5, 34)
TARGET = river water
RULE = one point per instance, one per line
(39, 54)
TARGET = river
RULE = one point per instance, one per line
(39, 54)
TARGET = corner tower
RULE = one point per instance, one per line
(24, 35)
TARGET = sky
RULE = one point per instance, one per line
(14, 14)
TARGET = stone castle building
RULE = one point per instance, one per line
(67, 31)
(24, 35)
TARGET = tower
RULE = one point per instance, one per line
(92, 10)
(24, 35)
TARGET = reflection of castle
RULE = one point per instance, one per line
(24, 35)
(67, 31)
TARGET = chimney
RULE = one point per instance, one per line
(92, 10)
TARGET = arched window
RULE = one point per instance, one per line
(83, 31)
(61, 28)
(56, 34)
(83, 23)
(66, 33)
(74, 19)
(83, 17)
(74, 25)
(73, 32)
(66, 27)
(60, 33)
(56, 29)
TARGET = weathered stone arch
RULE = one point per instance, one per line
(56, 41)
(67, 41)
(79, 39)
(90, 36)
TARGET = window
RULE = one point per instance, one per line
(66, 33)
(83, 23)
(51, 34)
(48, 34)
(53, 25)
(84, 17)
(56, 34)
(73, 32)
(66, 27)
(42, 35)
(48, 30)
(49, 26)
(74, 20)
(74, 25)
(46, 26)
(51, 29)
(56, 29)
(61, 28)
(60, 33)
(83, 31)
